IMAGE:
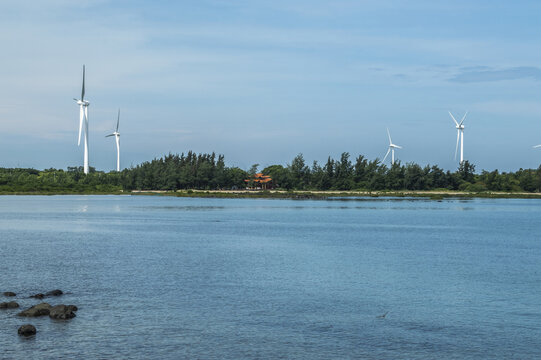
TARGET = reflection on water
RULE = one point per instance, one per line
(183, 208)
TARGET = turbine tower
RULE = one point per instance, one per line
(116, 134)
(391, 148)
(83, 120)
(459, 135)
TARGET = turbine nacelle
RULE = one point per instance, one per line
(82, 102)
(459, 126)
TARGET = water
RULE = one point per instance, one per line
(174, 278)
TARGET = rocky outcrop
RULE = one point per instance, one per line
(9, 293)
(9, 305)
(36, 310)
(56, 292)
(27, 330)
(62, 312)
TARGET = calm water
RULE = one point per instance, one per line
(174, 278)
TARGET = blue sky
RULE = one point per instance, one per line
(261, 81)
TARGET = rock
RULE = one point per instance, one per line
(36, 310)
(27, 330)
(9, 305)
(9, 293)
(56, 292)
(62, 312)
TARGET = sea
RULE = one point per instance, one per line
(158, 277)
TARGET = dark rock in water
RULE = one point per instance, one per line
(37, 310)
(27, 330)
(56, 292)
(62, 312)
(9, 293)
(9, 305)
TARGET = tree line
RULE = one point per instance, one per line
(364, 174)
(209, 172)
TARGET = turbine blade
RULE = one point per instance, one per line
(385, 157)
(452, 117)
(457, 139)
(536, 146)
(118, 120)
(81, 115)
(389, 135)
(109, 135)
(464, 117)
(83, 90)
(399, 147)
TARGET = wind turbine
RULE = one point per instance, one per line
(83, 119)
(116, 134)
(459, 135)
(391, 148)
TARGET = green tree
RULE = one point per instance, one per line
(299, 172)
(466, 170)
(253, 169)
(280, 176)
(343, 177)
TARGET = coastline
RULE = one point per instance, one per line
(323, 195)
(298, 194)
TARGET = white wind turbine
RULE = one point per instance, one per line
(116, 134)
(83, 119)
(391, 148)
(459, 135)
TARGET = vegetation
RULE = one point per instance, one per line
(363, 174)
(209, 172)
(53, 181)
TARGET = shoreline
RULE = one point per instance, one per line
(323, 195)
(299, 194)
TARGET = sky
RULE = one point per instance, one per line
(261, 81)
